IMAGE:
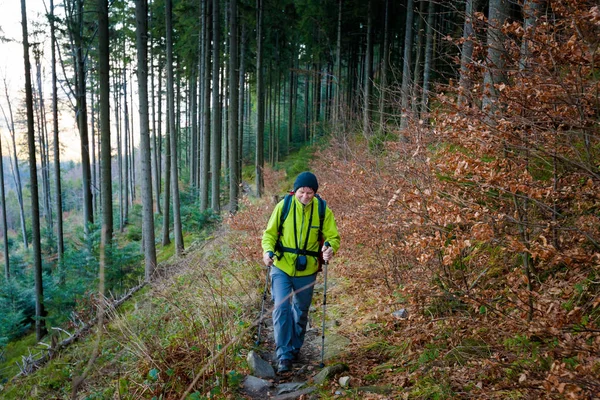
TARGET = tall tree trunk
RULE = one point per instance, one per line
(205, 148)
(141, 13)
(158, 138)
(428, 57)
(166, 240)
(406, 78)
(416, 109)
(154, 150)
(494, 69)
(104, 119)
(466, 56)
(126, 153)
(260, 98)
(233, 107)
(177, 230)
(242, 93)
(40, 312)
(3, 209)
(384, 68)
(215, 145)
(290, 124)
(43, 135)
(368, 71)
(60, 244)
(193, 143)
(532, 10)
(88, 216)
(15, 165)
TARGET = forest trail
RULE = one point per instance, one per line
(306, 370)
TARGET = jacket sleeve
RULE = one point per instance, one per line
(330, 231)
(270, 234)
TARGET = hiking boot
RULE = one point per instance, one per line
(296, 356)
(284, 366)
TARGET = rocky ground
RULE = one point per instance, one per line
(307, 374)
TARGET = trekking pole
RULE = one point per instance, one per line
(262, 308)
(325, 265)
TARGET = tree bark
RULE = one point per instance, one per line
(233, 108)
(205, 148)
(368, 71)
(40, 312)
(260, 98)
(428, 57)
(141, 13)
(177, 231)
(215, 144)
(494, 64)
(384, 68)
(15, 166)
(88, 216)
(3, 209)
(406, 77)
(466, 57)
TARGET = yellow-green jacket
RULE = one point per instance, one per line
(286, 261)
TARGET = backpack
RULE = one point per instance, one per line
(285, 210)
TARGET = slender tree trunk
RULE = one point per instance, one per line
(206, 139)
(532, 10)
(158, 150)
(466, 57)
(3, 209)
(368, 71)
(88, 216)
(193, 143)
(166, 240)
(104, 119)
(40, 312)
(406, 78)
(125, 149)
(154, 150)
(384, 68)
(494, 69)
(42, 124)
(141, 12)
(242, 93)
(177, 230)
(233, 107)
(260, 98)
(428, 57)
(15, 166)
(416, 109)
(215, 145)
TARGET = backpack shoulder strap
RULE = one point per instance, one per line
(285, 210)
(322, 208)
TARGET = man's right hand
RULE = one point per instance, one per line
(268, 258)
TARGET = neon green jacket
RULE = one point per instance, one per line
(287, 261)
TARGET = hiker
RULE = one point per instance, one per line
(300, 234)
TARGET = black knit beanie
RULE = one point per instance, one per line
(306, 179)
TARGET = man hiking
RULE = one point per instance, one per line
(300, 234)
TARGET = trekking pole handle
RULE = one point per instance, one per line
(326, 245)
(271, 254)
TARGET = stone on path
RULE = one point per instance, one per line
(289, 387)
(328, 372)
(295, 395)
(259, 367)
(334, 345)
(256, 387)
(400, 314)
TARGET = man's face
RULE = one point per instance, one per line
(305, 195)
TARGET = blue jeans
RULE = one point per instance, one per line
(292, 297)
